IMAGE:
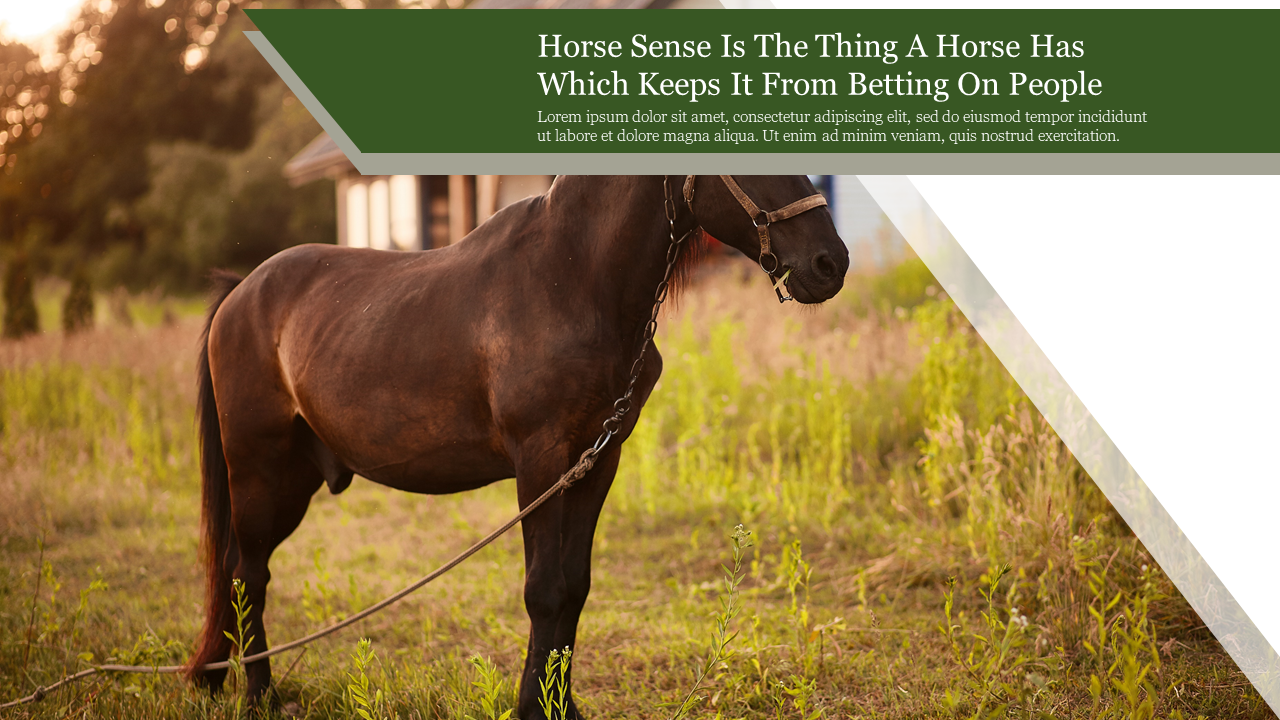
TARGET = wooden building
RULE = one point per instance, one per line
(407, 212)
(416, 212)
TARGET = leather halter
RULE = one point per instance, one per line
(762, 220)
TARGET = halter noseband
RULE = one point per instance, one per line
(762, 220)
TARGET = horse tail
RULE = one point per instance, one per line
(216, 540)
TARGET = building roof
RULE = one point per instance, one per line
(319, 159)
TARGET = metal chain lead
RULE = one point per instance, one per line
(622, 405)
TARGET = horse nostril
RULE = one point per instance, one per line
(824, 267)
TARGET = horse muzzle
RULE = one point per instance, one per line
(818, 279)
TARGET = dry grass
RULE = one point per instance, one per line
(892, 463)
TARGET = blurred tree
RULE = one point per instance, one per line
(95, 134)
(77, 310)
(128, 74)
(20, 316)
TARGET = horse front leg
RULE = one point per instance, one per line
(545, 590)
(557, 549)
(583, 503)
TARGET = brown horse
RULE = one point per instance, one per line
(447, 370)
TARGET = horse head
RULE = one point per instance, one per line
(780, 220)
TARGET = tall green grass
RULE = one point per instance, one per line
(949, 476)
(923, 544)
(82, 445)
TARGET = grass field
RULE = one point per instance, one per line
(922, 545)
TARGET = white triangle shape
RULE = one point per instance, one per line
(1138, 314)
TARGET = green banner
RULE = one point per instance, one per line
(830, 81)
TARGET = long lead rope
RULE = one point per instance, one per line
(585, 462)
(574, 474)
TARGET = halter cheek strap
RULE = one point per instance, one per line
(762, 220)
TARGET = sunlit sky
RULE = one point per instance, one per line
(31, 21)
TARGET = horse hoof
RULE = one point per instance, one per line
(263, 703)
(210, 681)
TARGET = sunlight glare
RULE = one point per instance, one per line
(30, 22)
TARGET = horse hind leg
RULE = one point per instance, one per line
(267, 503)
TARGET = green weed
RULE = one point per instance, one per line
(362, 699)
(719, 651)
(491, 688)
(318, 601)
(241, 640)
(1002, 675)
(554, 685)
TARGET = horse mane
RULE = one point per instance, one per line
(696, 249)
(691, 256)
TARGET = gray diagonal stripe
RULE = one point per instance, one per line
(308, 98)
